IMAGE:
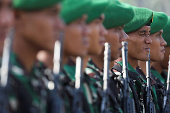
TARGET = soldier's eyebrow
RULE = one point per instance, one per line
(142, 31)
(122, 26)
(161, 31)
(100, 18)
(54, 10)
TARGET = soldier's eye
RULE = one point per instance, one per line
(141, 33)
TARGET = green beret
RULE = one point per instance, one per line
(97, 8)
(117, 14)
(159, 21)
(74, 9)
(141, 18)
(29, 5)
(166, 32)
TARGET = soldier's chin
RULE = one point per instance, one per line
(114, 57)
(157, 59)
(144, 59)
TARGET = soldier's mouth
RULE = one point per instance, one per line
(102, 41)
(163, 50)
(147, 49)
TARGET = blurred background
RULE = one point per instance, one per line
(156, 5)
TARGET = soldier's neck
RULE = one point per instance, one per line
(133, 62)
(25, 52)
(142, 65)
(85, 61)
(157, 66)
(98, 60)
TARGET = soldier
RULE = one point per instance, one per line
(161, 66)
(37, 24)
(157, 51)
(116, 16)
(6, 20)
(96, 36)
(75, 44)
(138, 49)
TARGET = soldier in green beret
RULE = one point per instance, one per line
(115, 19)
(139, 42)
(157, 51)
(6, 21)
(37, 25)
(162, 66)
(96, 37)
(76, 41)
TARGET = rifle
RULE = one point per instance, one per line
(166, 103)
(77, 99)
(4, 87)
(128, 102)
(105, 99)
(58, 52)
(150, 106)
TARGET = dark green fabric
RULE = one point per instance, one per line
(166, 32)
(139, 86)
(96, 84)
(33, 4)
(160, 19)
(70, 70)
(74, 9)
(97, 8)
(25, 85)
(117, 14)
(157, 75)
(141, 18)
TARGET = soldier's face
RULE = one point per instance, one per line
(96, 36)
(164, 62)
(6, 20)
(40, 28)
(139, 44)
(157, 48)
(115, 36)
(76, 38)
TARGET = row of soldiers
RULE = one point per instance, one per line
(83, 56)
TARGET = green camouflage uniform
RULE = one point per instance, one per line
(164, 74)
(160, 86)
(68, 82)
(96, 79)
(28, 91)
(139, 80)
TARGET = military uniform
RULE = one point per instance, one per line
(139, 80)
(160, 19)
(160, 86)
(96, 78)
(68, 82)
(28, 91)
